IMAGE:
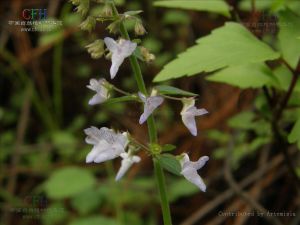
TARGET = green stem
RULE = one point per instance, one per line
(160, 179)
(151, 127)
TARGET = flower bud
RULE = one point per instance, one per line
(139, 28)
(147, 56)
(107, 11)
(114, 27)
(83, 6)
(89, 24)
(96, 49)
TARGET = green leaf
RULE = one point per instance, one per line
(169, 90)
(170, 163)
(294, 136)
(216, 6)
(230, 45)
(68, 181)
(86, 201)
(289, 31)
(120, 99)
(168, 148)
(94, 220)
(246, 76)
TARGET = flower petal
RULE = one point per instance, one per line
(150, 105)
(200, 163)
(127, 47)
(126, 163)
(200, 112)
(116, 59)
(93, 135)
(111, 44)
(192, 176)
(96, 99)
(189, 121)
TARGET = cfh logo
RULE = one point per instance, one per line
(34, 14)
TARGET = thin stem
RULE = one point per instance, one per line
(152, 132)
(121, 91)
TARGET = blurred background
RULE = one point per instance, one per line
(43, 111)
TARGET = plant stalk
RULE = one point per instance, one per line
(159, 175)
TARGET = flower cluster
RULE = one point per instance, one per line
(107, 143)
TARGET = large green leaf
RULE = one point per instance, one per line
(230, 45)
(289, 31)
(68, 181)
(246, 76)
(216, 6)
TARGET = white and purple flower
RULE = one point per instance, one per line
(150, 104)
(189, 112)
(107, 144)
(189, 170)
(102, 93)
(120, 50)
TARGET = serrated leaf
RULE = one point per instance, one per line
(169, 90)
(230, 45)
(119, 99)
(216, 6)
(246, 76)
(168, 148)
(289, 31)
(170, 163)
(68, 181)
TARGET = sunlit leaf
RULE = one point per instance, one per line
(230, 45)
(246, 76)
